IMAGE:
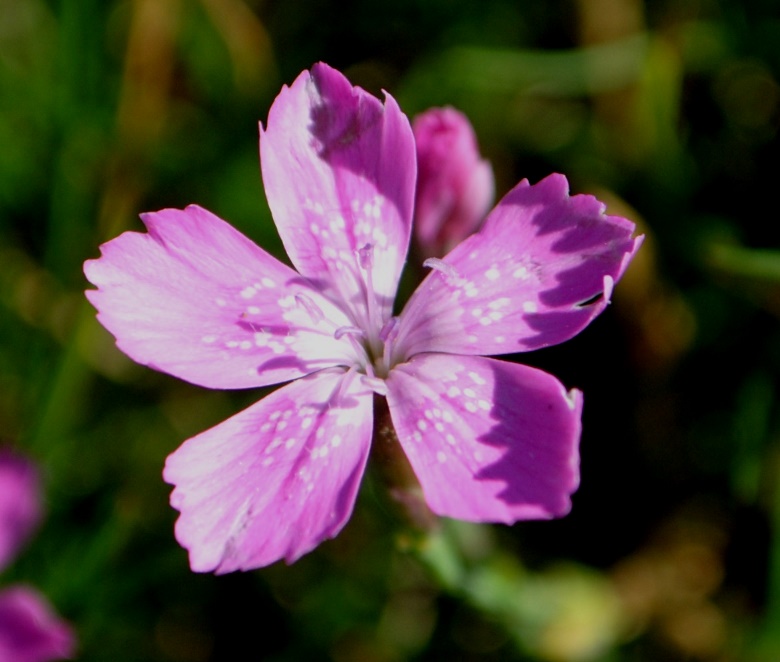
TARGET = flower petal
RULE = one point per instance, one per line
(339, 171)
(489, 441)
(29, 630)
(20, 503)
(540, 269)
(275, 480)
(195, 298)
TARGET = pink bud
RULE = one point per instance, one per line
(30, 631)
(20, 503)
(454, 185)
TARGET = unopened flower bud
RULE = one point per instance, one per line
(455, 186)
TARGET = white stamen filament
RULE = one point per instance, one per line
(354, 335)
(441, 266)
(366, 262)
(376, 384)
(342, 331)
(314, 311)
(368, 337)
(388, 335)
(389, 329)
(342, 385)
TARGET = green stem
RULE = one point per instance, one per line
(394, 470)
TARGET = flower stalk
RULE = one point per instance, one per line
(396, 474)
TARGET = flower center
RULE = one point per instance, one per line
(372, 337)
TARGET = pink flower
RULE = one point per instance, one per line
(454, 185)
(488, 440)
(29, 630)
(20, 504)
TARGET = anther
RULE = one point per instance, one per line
(366, 257)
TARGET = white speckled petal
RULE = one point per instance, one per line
(195, 298)
(540, 269)
(275, 480)
(339, 171)
(489, 441)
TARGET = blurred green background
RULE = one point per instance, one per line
(668, 110)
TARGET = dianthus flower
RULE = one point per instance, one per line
(29, 629)
(488, 440)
